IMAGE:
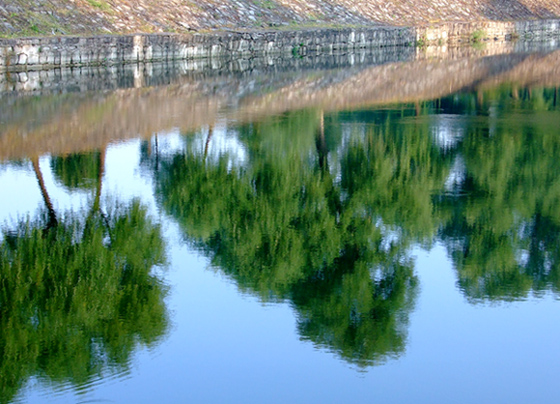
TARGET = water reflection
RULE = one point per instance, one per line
(315, 207)
(317, 190)
(77, 291)
(77, 110)
(308, 218)
(503, 225)
(79, 170)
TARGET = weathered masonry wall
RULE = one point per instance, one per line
(61, 80)
(103, 78)
(43, 53)
(100, 50)
(454, 33)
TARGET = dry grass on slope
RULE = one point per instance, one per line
(48, 17)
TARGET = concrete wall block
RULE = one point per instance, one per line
(182, 52)
(43, 58)
(242, 45)
(189, 52)
(270, 45)
(22, 58)
(65, 59)
(54, 58)
(148, 53)
(112, 55)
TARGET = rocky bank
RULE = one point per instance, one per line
(88, 17)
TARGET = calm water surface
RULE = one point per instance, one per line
(383, 252)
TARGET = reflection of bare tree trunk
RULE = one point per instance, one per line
(39, 175)
(100, 173)
(97, 198)
(149, 148)
(206, 146)
(332, 194)
(536, 251)
(157, 151)
(479, 100)
(321, 143)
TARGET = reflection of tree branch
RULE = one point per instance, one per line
(39, 175)
(63, 320)
(333, 196)
(321, 144)
(107, 225)
(206, 146)
(100, 174)
(157, 152)
(97, 201)
(479, 101)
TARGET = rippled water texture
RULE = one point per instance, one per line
(347, 229)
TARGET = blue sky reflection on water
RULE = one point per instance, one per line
(225, 346)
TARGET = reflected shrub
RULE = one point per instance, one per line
(78, 298)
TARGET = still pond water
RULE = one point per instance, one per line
(381, 253)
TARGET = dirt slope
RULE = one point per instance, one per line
(48, 17)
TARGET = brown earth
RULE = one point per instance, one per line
(55, 17)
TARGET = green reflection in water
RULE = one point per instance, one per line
(317, 222)
(504, 223)
(77, 294)
(322, 213)
(78, 170)
(325, 209)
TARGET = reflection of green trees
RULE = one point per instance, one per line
(77, 294)
(504, 224)
(324, 209)
(305, 219)
(395, 172)
(78, 170)
(361, 318)
(314, 189)
(505, 99)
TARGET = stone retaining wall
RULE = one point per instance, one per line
(44, 53)
(109, 50)
(473, 32)
(100, 78)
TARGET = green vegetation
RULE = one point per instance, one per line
(504, 225)
(77, 171)
(100, 4)
(298, 51)
(478, 36)
(308, 215)
(266, 4)
(77, 293)
(333, 241)
(34, 23)
(35, 29)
